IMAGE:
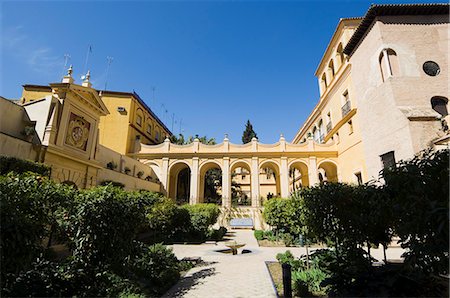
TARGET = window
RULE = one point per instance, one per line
(324, 80)
(340, 54)
(388, 159)
(139, 120)
(439, 104)
(431, 68)
(149, 128)
(358, 177)
(388, 64)
(329, 124)
(347, 104)
(331, 69)
(157, 135)
(350, 127)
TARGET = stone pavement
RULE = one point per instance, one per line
(242, 275)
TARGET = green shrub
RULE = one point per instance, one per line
(112, 183)
(312, 279)
(419, 189)
(157, 266)
(17, 165)
(288, 258)
(218, 234)
(28, 207)
(284, 215)
(166, 221)
(202, 217)
(259, 234)
(102, 225)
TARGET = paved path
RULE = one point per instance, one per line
(242, 275)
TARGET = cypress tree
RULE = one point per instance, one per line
(248, 134)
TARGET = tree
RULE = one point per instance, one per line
(181, 140)
(248, 134)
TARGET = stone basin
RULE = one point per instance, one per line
(233, 245)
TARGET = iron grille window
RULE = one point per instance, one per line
(346, 108)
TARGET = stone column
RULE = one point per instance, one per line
(165, 175)
(255, 183)
(226, 183)
(312, 171)
(284, 178)
(194, 182)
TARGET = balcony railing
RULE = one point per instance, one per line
(346, 108)
(329, 126)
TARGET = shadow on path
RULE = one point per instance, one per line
(185, 283)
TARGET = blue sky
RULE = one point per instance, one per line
(213, 64)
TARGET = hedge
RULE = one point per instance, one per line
(17, 165)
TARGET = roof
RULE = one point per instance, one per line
(141, 101)
(131, 94)
(342, 23)
(391, 9)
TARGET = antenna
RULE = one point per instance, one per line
(173, 119)
(66, 59)
(181, 120)
(110, 60)
(89, 51)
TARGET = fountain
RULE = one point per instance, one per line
(233, 245)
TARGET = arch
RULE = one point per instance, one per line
(140, 117)
(298, 175)
(240, 164)
(340, 55)
(331, 69)
(269, 180)
(324, 81)
(155, 167)
(179, 181)
(439, 104)
(388, 62)
(327, 171)
(210, 179)
(241, 182)
(70, 183)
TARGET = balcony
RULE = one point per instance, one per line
(329, 126)
(346, 108)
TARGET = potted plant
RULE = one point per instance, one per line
(127, 170)
(140, 174)
(148, 178)
(28, 132)
(111, 165)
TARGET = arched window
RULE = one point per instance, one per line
(340, 54)
(439, 104)
(324, 80)
(388, 64)
(331, 69)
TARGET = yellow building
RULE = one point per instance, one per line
(129, 123)
(61, 122)
(383, 89)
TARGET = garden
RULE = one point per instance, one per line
(411, 204)
(104, 241)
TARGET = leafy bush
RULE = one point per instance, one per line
(166, 221)
(284, 215)
(112, 183)
(96, 225)
(312, 279)
(202, 217)
(288, 258)
(158, 266)
(17, 165)
(259, 234)
(420, 191)
(218, 234)
(28, 207)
